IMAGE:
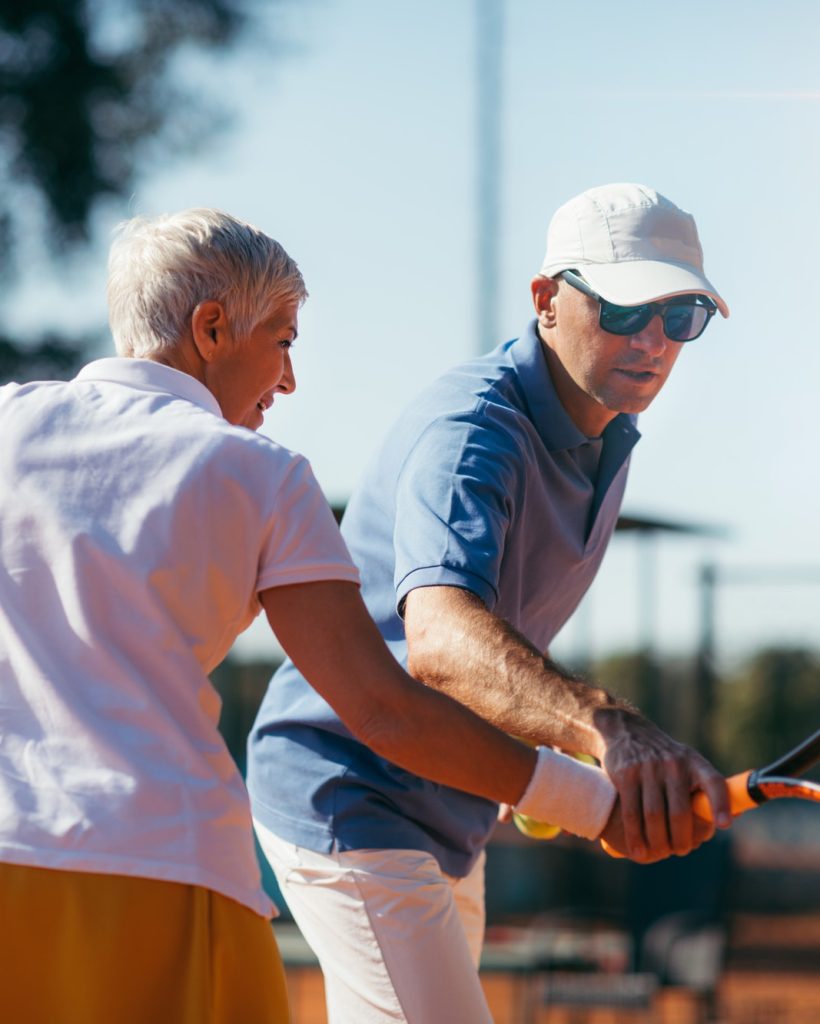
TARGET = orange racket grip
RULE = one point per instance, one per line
(739, 801)
(739, 798)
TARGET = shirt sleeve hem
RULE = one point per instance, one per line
(308, 574)
(445, 576)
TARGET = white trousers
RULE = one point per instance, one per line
(398, 941)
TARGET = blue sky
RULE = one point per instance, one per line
(351, 138)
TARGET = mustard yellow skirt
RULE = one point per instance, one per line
(78, 948)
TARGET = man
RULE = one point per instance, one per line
(142, 527)
(478, 527)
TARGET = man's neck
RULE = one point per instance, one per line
(586, 413)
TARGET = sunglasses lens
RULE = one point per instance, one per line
(624, 319)
(685, 322)
(682, 320)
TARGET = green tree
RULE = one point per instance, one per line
(241, 685)
(769, 704)
(86, 90)
(660, 687)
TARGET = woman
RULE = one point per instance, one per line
(142, 527)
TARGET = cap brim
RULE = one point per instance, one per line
(631, 283)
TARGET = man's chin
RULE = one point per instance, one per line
(631, 404)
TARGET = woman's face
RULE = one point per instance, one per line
(245, 376)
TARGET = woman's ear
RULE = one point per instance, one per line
(208, 328)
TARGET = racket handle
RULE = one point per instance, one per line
(739, 798)
(739, 801)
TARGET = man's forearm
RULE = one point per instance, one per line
(459, 647)
(325, 628)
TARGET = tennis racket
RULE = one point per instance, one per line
(757, 786)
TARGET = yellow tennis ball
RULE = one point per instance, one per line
(535, 829)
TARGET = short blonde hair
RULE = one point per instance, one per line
(161, 268)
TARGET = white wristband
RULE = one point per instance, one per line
(579, 797)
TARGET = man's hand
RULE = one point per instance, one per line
(655, 777)
(615, 840)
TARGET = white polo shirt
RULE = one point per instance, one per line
(137, 527)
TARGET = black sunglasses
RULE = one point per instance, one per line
(685, 317)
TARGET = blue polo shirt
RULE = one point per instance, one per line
(484, 483)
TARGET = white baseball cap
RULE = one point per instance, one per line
(631, 244)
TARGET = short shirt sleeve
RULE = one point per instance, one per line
(303, 543)
(455, 499)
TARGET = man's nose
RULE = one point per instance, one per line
(652, 338)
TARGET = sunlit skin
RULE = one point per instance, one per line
(243, 374)
(597, 374)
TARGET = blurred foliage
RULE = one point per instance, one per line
(83, 85)
(660, 687)
(241, 686)
(85, 91)
(51, 357)
(766, 704)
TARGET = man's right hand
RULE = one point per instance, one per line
(656, 776)
(613, 836)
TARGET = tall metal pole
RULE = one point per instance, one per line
(490, 29)
(706, 684)
(650, 698)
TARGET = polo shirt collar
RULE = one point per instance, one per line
(553, 423)
(151, 376)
